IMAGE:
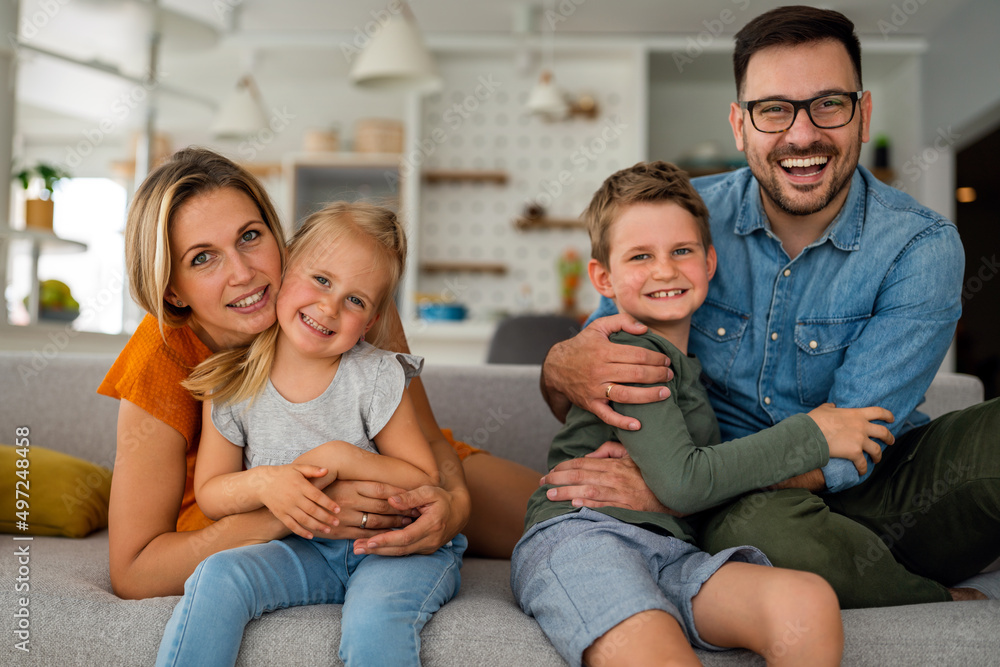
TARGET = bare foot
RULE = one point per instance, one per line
(960, 594)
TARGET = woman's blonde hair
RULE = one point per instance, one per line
(240, 374)
(186, 174)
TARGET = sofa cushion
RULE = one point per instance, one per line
(62, 494)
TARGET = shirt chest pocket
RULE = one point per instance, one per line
(716, 334)
(822, 344)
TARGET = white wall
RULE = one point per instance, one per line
(962, 70)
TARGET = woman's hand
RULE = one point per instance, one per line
(295, 501)
(360, 498)
(437, 521)
(607, 477)
(849, 432)
(580, 369)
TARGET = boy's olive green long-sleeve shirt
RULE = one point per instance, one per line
(678, 449)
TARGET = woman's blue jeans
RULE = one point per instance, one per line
(387, 600)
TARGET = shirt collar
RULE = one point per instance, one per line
(844, 232)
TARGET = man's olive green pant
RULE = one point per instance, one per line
(928, 517)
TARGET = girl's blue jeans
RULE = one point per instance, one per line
(387, 600)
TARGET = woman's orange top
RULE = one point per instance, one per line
(148, 373)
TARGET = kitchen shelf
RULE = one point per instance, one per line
(463, 267)
(432, 176)
(526, 224)
(39, 241)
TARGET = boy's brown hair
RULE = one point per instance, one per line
(644, 182)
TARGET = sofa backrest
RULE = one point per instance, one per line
(495, 407)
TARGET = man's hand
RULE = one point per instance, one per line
(580, 369)
(435, 524)
(607, 477)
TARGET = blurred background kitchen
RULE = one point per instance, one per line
(488, 125)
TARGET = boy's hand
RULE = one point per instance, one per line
(295, 501)
(580, 369)
(849, 432)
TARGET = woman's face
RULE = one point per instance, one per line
(225, 266)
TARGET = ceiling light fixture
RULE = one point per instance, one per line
(242, 114)
(550, 102)
(396, 57)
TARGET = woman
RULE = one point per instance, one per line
(204, 254)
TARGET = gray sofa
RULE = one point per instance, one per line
(75, 619)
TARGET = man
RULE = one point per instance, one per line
(831, 287)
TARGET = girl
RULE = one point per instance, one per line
(311, 381)
(201, 237)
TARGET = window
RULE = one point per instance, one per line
(91, 211)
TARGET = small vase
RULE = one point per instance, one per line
(38, 214)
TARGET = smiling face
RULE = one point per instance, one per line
(225, 266)
(330, 298)
(805, 170)
(658, 268)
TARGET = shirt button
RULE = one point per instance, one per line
(774, 336)
(721, 331)
(813, 345)
(767, 400)
(788, 272)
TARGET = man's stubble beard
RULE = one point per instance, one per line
(770, 183)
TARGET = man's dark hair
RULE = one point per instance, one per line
(792, 26)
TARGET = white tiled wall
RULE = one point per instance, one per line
(479, 121)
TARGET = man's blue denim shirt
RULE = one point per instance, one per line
(863, 316)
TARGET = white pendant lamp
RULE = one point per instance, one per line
(396, 57)
(242, 114)
(546, 100)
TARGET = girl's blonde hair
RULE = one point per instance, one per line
(186, 174)
(239, 374)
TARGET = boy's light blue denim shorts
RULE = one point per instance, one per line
(582, 574)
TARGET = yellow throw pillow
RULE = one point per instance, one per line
(62, 494)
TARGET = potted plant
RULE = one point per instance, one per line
(38, 211)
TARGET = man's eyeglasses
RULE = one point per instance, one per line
(826, 111)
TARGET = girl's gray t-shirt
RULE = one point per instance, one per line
(362, 397)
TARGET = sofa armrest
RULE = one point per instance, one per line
(951, 391)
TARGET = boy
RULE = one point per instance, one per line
(620, 586)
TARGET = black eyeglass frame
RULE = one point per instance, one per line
(802, 104)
